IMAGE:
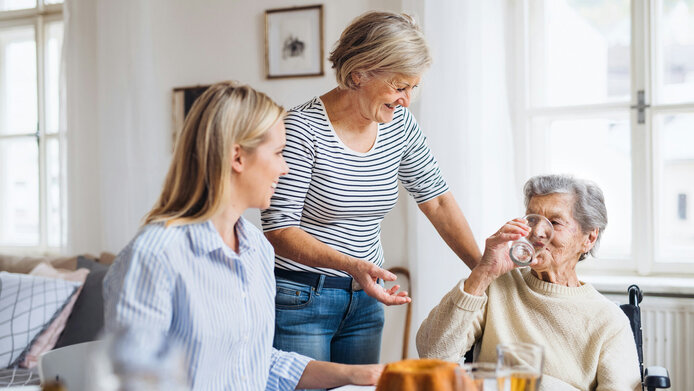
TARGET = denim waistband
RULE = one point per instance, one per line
(313, 279)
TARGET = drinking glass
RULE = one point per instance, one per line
(484, 376)
(522, 251)
(522, 362)
(137, 360)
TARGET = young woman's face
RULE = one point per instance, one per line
(379, 96)
(264, 167)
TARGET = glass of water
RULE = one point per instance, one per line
(522, 364)
(483, 376)
(523, 250)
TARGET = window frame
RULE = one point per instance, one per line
(644, 55)
(38, 17)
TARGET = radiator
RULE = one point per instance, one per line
(668, 338)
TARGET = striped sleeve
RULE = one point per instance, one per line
(287, 203)
(419, 171)
(137, 292)
(286, 369)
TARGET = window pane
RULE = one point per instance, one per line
(8, 5)
(18, 102)
(54, 44)
(597, 149)
(53, 201)
(19, 192)
(53, 1)
(579, 51)
(675, 52)
(674, 170)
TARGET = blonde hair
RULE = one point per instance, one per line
(226, 114)
(379, 42)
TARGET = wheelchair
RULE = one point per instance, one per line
(652, 377)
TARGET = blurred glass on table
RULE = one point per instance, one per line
(485, 376)
(137, 360)
(522, 362)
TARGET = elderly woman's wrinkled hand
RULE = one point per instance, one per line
(495, 260)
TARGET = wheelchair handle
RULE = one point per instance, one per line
(635, 295)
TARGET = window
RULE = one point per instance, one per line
(608, 94)
(31, 171)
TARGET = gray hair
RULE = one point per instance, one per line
(589, 203)
(377, 43)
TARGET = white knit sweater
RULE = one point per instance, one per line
(587, 339)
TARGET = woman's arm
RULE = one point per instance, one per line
(618, 368)
(321, 374)
(446, 216)
(295, 243)
(458, 320)
(452, 326)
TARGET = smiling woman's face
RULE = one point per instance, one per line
(569, 241)
(380, 95)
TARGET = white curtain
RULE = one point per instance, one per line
(464, 109)
(109, 60)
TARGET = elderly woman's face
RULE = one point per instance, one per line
(569, 241)
(380, 95)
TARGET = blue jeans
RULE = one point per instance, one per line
(328, 324)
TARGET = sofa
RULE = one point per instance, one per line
(62, 304)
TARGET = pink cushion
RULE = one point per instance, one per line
(47, 339)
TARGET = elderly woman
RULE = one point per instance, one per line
(587, 340)
(346, 151)
(199, 272)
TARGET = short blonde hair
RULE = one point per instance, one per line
(380, 42)
(226, 114)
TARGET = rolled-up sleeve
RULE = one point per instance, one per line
(286, 369)
(419, 171)
(287, 204)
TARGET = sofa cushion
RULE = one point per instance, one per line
(28, 304)
(87, 317)
(49, 336)
(21, 264)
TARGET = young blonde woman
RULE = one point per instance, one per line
(348, 150)
(201, 273)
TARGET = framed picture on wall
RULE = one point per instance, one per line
(183, 99)
(294, 42)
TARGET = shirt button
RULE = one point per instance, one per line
(243, 295)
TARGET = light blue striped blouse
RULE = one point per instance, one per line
(187, 283)
(340, 196)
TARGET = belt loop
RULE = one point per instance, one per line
(321, 280)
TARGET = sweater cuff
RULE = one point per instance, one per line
(466, 301)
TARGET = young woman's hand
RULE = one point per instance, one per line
(365, 375)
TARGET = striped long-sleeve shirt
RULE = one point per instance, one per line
(187, 283)
(340, 196)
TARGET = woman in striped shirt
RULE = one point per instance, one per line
(199, 272)
(346, 151)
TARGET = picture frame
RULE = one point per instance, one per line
(294, 42)
(183, 99)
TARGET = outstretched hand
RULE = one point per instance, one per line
(367, 275)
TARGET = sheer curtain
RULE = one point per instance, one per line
(464, 109)
(117, 150)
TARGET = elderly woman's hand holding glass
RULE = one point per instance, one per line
(587, 339)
